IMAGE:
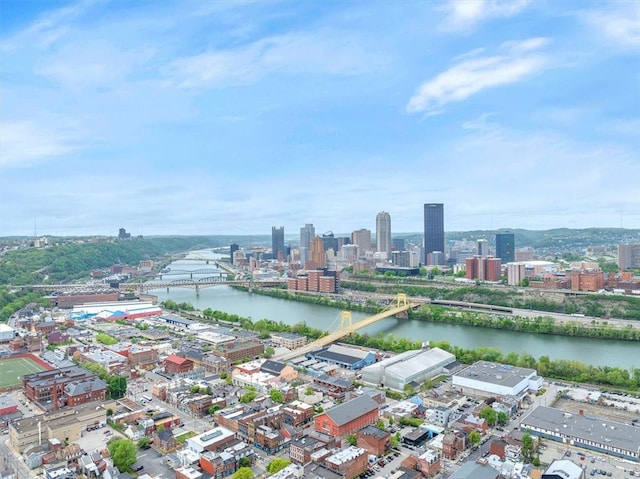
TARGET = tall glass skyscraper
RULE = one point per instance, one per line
(433, 228)
(505, 247)
(383, 233)
(277, 243)
(307, 234)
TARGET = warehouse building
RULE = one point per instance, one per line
(350, 358)
(588, 432)
(410, 366)
(484, 378)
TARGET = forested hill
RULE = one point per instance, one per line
(71, 260)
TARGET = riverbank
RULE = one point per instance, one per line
(562, 369)
(430, 313)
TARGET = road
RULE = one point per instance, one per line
(14, 463)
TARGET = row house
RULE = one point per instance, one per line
(224, 462)
(229, 418)
(240, 350)
(374, 440)
(268, 439)
(288, 340)
(248, 425)
(333, 387)
(453, 443)
(199, 406)
(428, 463)
(297, 413)
(142, 357)
(350, 462)
(30, 344)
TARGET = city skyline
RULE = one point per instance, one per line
(232, 117)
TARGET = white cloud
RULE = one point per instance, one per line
(520, 61)
(321, 52)
(619, 22)
(23, 143)
(465, 14)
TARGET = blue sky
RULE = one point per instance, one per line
(203, 117)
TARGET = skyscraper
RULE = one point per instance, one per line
(505, 247)
(383, 233)
(277, 243)
(433, 228)
(482, 248)
(307, 233)
(362, 238)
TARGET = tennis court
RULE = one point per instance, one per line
(12, 370)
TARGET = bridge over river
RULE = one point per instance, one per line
(399, 308)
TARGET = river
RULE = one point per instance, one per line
(599, 352)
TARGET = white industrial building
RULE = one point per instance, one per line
(484, 378)
(410, 366)
(7, 333)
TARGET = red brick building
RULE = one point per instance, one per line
(70, 386)
(348, 417)
(483, 268)
(374, 440)
(177, 364)
(587, 280)
(350, 462)
(453, 443)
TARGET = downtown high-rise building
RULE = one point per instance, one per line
(277, 243)
(362, 238)
(482, 248)
(628, 256)
(383, 233)
(307, 233)
(505, 247)
(433, 230)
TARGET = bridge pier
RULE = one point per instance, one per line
(191, 275)
(197, 290)
(403, 315)
(167, 289)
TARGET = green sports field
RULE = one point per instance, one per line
(12, 370)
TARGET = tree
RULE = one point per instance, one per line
(490, 415)
(277, 464)
(269, 352)
(380, 425)
(223, 375)
(352, 439)
(143, 442)
(195, 389)
(276, 396)
(474, 438)
(244, 462)
(502, 418)
(394, 442)
(243, 473)
(123, 453)
(527, 446)
(213, 409)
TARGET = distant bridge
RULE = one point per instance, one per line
(399, 307)
(190, 273)
(198, 284)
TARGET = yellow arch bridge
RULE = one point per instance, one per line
(398, 308)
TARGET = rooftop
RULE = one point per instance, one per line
(586, 428)
(350, 410)
(493, 373)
